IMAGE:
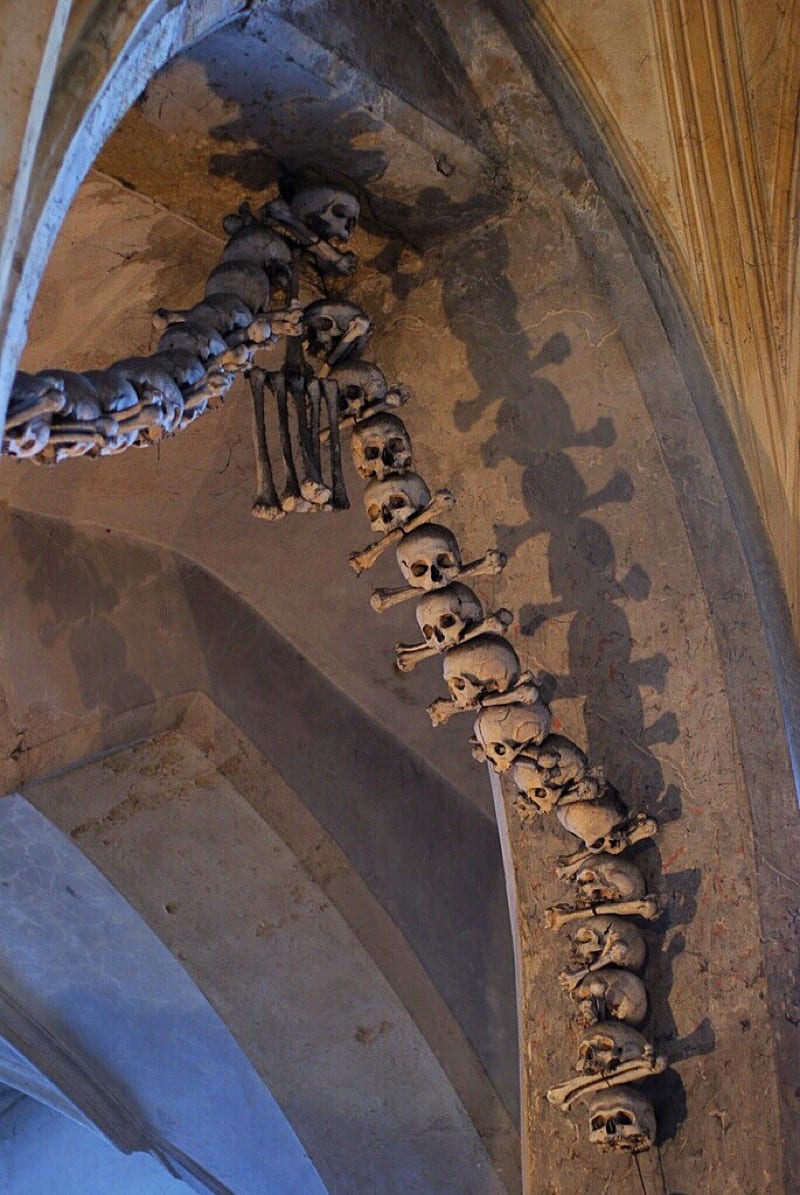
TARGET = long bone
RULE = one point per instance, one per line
(358, 326)
(440, 503)
(43, 399)
(291, 498)
(525, 691)
(566, 1094)
(266, 504)
(408, 655)
(558, 915)
(489, 565)
(339, 500)
(312, 486)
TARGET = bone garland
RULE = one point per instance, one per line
(139, 401)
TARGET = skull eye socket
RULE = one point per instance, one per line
(339, 211)
(373, 512)
(597, 845)
(447, 620)
(427, 631)
(371, 452)
(597, 1123)
(322, 323)
(498, 748)
(445, 560)
(396, 445)
(623, 1117)
(397, 501)
(459, 683)
(419, 568)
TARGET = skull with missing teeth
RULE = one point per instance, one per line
(610, 993)
(360, 383)
(381, 445)
(390, 503)
(448, 614)
(621, 1118)
(608, 940)
(486, 664)
(429, 557)
(328, 211)
(326, 322)
(543, 772)
(605, 1047)
(594, 822)
(504, 731)
(608, 877)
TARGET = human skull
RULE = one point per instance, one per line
(390, 503)
(326, 322)
(609, 939)
(429, 557)
(225, 312)
(328, 211)
(543, 772)
(80, 397)
(27, 391)
(199, 339)
(448, 614)
(504, 731)
(604, 1047)
(621, 1118)
(184, 367)
(360, 383)
(242, 278)
(594, 822)
(260, 245)
(486, 664)
(608, 877)
(620, 995)
(380, 444)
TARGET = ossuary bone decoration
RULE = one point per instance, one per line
(309, 361)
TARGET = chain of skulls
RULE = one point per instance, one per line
(58, 414)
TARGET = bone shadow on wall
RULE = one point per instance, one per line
(292, 126)
(81, 614)
(535, 429)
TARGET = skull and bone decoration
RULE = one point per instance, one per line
(309, 360)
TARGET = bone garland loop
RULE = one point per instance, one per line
(60, 414)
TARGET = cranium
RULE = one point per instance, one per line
(393, 501)
(594, 822)
(81, 401)
(447, 614)
(543, 772)
(184, 367)
(262, 247)
(609, 940)
(115, 392)
(608, 877)
(243, 278)
(504, 731)
(429, 557)
(484, 665)
(200, 339)
(606, 1046)
(328, 211)
(621, 1118)
(325, 324)
(620, 995)
(33, 397)
(380, 444)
